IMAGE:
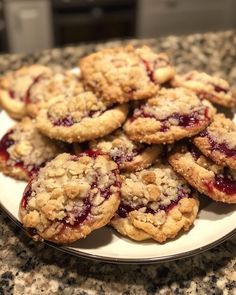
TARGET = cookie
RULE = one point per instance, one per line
(155, 203)
(70, 197)
(218, 141)
(171, 115)
(124, 74)
(215, 181)
(207, 87)
(129, 155)
(80, 118)
(23, 150)
(15, 87)
(48, 87)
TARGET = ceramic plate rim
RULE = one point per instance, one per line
(127, 260)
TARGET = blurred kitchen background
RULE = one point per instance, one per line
(29, 25)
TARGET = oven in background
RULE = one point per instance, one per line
(83, 20)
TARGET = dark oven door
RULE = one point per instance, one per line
(81, 20)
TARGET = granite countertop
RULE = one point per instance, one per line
(27, 267)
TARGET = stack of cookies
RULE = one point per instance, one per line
(126, 143)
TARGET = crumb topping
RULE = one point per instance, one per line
(29, 146)
(124, 74)
(76, 108)
(153, 189)
(18, 83)
(207, 87)
(53, 85)
(223, 130)
(118, 146)
(169, 104)
(70, 189)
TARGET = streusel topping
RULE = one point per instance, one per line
(29, 147)
(168, 104)
(19, 83)
(76, 108)
(124, 74)
(70, 189)
(154, 188)
(223, 130)
(51, 85)
(118, 146)
(207, 87)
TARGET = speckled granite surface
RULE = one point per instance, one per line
(30, 268)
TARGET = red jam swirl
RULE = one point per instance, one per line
(124, 208)
(225, 183)
(69, 121)
(27, 95)
(184, 120)
(5, 143)
(221, 147)
(65, 122)
(123, 155)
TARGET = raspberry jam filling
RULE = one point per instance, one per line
(12, 94)
(123, 155)
(124, 208)
(217, 88)
(5, 143)
(184, 120)
(69, 121)
(221, 147)
(90, 153)
(223, 182)
(65, 122)
(26, 98)
(26, 195)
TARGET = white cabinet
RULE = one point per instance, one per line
(28, 25)
(164, 17)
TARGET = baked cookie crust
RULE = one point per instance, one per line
(124, 74)
(171, 115)
(15, 87)
(23, 150)
(207, 87)
(129, 155)
(70, 197)
(155, 201)
(80, 118)
(215, 181)
(218, 141)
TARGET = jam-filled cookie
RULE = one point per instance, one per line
(207, 87)
(129, 155)
(124, 74)
(48, 87)
(70, 197)
(23, 150)
(218, 141)
(155, 203)
(15, 88)
(80, 118)
(171, 115)
(217, 182)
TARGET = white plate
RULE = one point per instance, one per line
(216, 223)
